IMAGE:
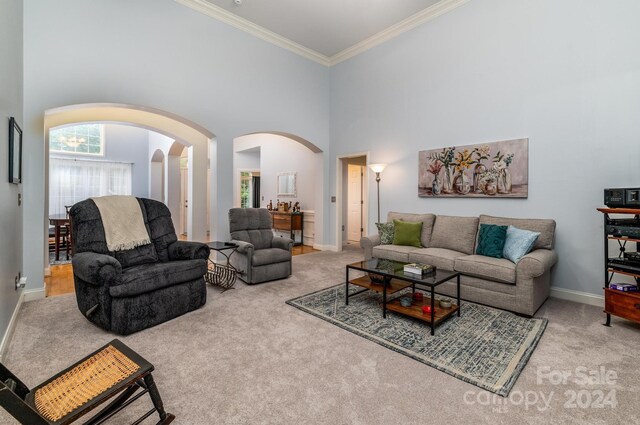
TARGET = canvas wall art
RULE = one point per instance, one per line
(487, 170)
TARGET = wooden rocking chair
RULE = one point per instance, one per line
(113, 370)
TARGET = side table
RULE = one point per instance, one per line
(223, 275)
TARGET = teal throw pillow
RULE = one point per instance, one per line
(491, 240)
(519, 243)
(385, 230)
(407, 233)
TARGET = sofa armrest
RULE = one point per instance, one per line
(183, 250)
(96, 269)
(282, 243)
(245, 248)
(536, 263)
(368, 242)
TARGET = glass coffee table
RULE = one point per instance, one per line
(389, 277)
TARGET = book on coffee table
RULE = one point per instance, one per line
(419, 269)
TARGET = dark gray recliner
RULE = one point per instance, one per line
(127, 291)
(261, 256)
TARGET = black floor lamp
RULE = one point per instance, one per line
(378, 168)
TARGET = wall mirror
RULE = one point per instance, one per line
(287, 184)
(15, 152)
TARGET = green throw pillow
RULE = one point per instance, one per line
(491, 240)
(385, 230)
(407, 233)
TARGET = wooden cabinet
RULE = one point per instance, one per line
(618, 303)
(289, 222)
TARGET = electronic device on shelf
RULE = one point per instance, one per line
(633, 257)
(624, 265)
(622, 197)
(630, 229)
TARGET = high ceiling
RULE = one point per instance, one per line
(325, 26)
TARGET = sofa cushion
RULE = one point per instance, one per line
(393, 252)
(441, 258)
(386, 232)
(150, 277)
(498, 269)
(518, 243)
(455, 233)
(546, 227)
(426, 219)
(270, 256)
(491, 239)
(407, 233)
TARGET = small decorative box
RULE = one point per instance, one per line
(417, 296)
(426, 309)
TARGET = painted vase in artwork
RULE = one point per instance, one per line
(504, 181)
(478, 170)
(447, 184)
(462, 183)
(435, 186)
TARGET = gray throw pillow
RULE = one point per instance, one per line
(386, 232)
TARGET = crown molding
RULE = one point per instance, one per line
(221, 14)
(401, 27)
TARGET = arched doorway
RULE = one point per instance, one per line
(260, 157)
(197, 139)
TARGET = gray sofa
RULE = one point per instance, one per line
(449, 243)
(261, 256)
(127, 291)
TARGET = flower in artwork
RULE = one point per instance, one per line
(435, 167)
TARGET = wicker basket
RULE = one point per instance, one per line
(221, 275)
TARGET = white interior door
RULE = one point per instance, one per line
(184, 199)
(354, 203)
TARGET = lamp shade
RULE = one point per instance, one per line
(377, 168)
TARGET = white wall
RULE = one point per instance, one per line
(564, 74)
(278, 155)
(10, 105)
(167, 56)
(166, 175)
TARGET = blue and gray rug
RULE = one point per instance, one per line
(485, 347)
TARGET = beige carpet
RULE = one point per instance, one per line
(248, 358)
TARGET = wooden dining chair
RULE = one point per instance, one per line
(113, 372)
(68, 235)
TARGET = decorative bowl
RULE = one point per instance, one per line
(445, 303)
(405, 301)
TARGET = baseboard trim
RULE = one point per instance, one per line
(332, 248)
(578, 296)
(34, 294)
(6, 339)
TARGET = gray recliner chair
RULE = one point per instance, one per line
(260, 256)
(127, 291)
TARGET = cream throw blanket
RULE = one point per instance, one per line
(123, 222)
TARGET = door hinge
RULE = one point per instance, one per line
(343, 227)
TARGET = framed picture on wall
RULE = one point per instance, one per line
(15, 152)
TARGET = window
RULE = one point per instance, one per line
(245, 190)
(73, 180)
(85, 139)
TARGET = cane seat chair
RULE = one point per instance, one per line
(114, 371)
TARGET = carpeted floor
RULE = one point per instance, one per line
(247, 357)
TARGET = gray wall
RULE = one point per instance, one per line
(564, 74)
(125, 143)
(167, 56)
(10, 105)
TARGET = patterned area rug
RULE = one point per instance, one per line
(62, 260)
(485, 347)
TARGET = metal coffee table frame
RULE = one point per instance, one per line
(394, 279)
